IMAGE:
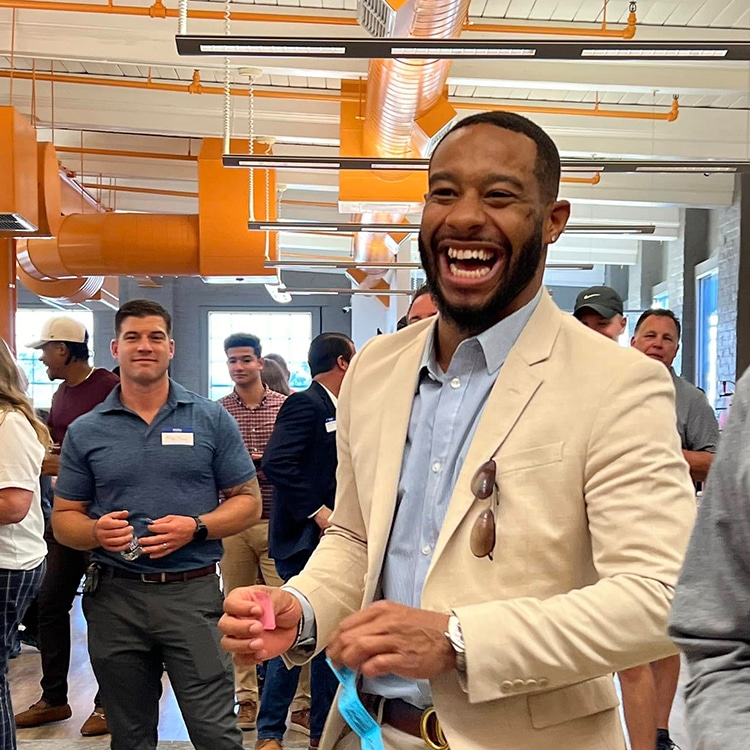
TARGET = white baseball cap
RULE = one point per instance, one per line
(61, 329)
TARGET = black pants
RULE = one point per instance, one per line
(135, 630)
(65, 568)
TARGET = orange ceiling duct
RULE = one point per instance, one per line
(216, 242)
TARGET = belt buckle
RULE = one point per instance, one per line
(161, 579)
(431, 731)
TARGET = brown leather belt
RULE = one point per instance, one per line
(181, 577)
(405, 717)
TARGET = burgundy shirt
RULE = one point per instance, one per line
(70, 402)
(256, 426)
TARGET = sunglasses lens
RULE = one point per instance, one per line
(482, 540)
(484, 480)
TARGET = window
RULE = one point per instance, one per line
(660, 301)
(707, 304)
(29, 322)
(285, 333)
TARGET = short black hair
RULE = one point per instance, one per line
(77, 350)
(660, 312)
(243, 339)
(547, 167)
(326, 349)
(421, 291)
(142, 308)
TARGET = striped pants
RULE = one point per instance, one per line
(17, 589)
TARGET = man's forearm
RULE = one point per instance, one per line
(74, 529)
(699, 462)
(235, 514)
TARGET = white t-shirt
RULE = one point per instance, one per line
(22, 545)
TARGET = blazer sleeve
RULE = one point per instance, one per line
(333, 579)
(710, 620)
(285, 461)
(640, 506)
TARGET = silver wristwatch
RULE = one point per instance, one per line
(455, 637)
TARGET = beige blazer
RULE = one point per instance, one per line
(595, 510)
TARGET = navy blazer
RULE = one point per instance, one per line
(300, 462)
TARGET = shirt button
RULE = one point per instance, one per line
(426, 549)
(455, 383)
(436, 467)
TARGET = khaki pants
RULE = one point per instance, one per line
(245, 556)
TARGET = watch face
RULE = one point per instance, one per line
(201, 532)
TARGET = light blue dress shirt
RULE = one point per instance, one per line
(445, 413)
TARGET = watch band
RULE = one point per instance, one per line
(455, 637)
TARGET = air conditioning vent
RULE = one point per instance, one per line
(376, 17)
(15, 223)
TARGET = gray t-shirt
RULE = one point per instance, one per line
(696, 422)
(112, 460)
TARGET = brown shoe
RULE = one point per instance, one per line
(247, 714)
(42, 713)
(268, 745)
(300, 721)
(96, 724)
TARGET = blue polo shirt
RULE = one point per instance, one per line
(113, 460)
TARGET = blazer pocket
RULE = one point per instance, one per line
(529, 458)
(572, 702)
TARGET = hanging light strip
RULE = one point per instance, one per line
(385, 48)
(358, 163)
(352, 226)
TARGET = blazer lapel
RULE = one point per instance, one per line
(516, 384)
(397, 404)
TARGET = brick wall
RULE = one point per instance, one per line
(725, 235)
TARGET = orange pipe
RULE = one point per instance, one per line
(68, 290)
(159, 10)
(595, 111)
(120, 152)
(115, 244)
(146, 191)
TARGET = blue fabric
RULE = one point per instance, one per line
(113, 460)
(445, 413)
(281, 683)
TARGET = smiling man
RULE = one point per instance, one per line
(497, 550)
(139, 486)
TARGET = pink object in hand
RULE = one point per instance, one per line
(268, 620)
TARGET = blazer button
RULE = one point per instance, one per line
(506, 686)
(543, 682)
(518, 685)
(531, 684)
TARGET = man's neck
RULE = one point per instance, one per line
(144, 399)
(252, 393)
(77, 372)
(331, 381)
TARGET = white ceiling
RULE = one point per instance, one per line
(714, 98)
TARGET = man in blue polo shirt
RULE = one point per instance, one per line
(139, 486)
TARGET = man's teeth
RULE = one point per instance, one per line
(455, 254)
(475, 274)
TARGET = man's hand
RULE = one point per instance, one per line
(167, 534)
(51, 465)
(322, 516)
(388, 638)
(113, 532)
(243, 631)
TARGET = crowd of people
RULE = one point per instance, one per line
(483, 516)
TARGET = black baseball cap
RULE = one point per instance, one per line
(602, 299)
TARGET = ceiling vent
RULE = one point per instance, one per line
(385, 18)
(15, 224)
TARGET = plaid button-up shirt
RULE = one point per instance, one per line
(256, 426)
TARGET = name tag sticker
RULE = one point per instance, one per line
(177, 436)
(331, 425)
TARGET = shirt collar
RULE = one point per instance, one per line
(178, 394)
(496, 342)
(239, 400)
(331, 396)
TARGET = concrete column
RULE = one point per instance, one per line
(8, 292)
(696, 250)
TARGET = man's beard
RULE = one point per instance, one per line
(521, 267)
